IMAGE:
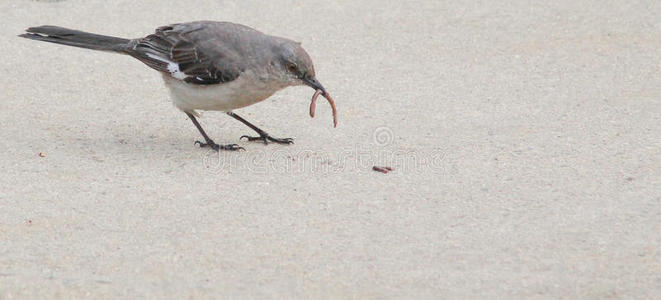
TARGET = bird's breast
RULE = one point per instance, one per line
(245, 90)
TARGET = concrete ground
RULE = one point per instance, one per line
(525, 138)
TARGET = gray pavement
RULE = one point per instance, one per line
(525, 138)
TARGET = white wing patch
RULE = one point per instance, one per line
(173, 67)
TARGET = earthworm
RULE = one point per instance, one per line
(313, 104)
(383, 170)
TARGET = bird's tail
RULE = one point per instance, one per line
(76, 38)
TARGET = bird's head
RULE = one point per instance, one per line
(296, 65)
(297, 68)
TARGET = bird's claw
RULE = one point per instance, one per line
(266, 138)
(214, 146)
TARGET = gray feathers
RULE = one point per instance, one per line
(70, 37)
(203, 52)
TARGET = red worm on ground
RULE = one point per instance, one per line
(383, 170)
(313, 104)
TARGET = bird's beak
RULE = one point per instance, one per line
(319, 90)
(313, 83)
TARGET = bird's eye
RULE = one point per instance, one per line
(292, 68)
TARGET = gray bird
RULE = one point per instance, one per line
(209, 65)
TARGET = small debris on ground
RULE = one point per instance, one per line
(383, 170)
(42, 154)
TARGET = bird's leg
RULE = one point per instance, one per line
(263, 136)
(209, 143)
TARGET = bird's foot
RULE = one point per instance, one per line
(265, 137)
(214, 146)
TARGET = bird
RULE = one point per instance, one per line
(209, 66)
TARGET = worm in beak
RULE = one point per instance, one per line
(326, 95)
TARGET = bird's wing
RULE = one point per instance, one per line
(191, 52)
